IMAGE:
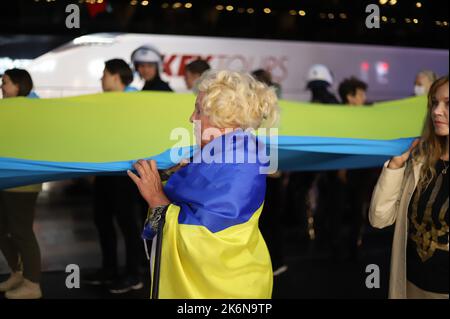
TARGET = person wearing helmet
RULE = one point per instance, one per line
(148, 63)
(320, 79)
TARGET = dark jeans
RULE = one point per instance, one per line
(17, 239)
(116, 197)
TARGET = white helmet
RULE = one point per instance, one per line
(147, 54)
(320, 72)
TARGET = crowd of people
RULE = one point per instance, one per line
(334, 206)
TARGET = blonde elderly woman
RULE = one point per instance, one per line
(412, 192)
(211, 246)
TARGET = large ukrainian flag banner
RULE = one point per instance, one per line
(212, 247)
(50, 139)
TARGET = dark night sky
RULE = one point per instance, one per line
(324, 20)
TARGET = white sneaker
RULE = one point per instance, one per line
(280, 270)
(27, 290)
(14, 281)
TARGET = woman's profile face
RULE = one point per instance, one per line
(9, 89)
(439, 110)
(203, 129)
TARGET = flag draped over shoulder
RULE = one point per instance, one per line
(51, 139)
(212, 246)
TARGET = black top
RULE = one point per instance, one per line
(323, 97)
(320, 93)
(428, 236)
(156, 85)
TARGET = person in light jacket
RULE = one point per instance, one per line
(412, 192)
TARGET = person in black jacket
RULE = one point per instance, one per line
(147, 62)
(312, 187)
(357, 184)
(320, 79)
(116, 201)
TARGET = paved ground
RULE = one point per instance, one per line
(67, 235)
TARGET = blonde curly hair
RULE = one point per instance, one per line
(235, 99)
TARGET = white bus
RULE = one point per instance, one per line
(76, 67)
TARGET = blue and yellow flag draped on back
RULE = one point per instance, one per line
(212, 247)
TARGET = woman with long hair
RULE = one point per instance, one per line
(412, 192)
(18, 241)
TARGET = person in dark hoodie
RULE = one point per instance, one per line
(147, 62)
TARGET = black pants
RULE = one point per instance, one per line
(116, 197)
(294, 201)
(360, 186)
(341, 207)
(17, 239)
(331, 209)
(270, 221)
